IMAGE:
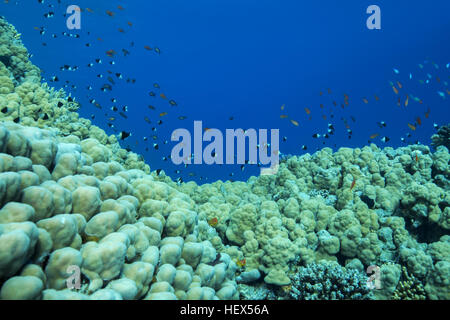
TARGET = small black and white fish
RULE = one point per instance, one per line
(123, 135)
(382, 124)
(385, 139)
(106, 87)
(50, 14)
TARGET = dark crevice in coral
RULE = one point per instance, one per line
(6, 60)
(426, 232)
(370, 202)
(341, 259)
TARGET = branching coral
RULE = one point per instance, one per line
(328, 281)
(409, 288)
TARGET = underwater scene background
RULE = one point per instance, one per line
(93, 207)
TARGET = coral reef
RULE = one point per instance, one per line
(442, 137)
(71, 196)
(132, 237)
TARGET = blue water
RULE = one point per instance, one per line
(245, 59)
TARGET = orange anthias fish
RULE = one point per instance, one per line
(129, 23)
(110, 53)
(377, 98)
(283, 116)
(353, 184)
(213, 222)
(162, 95)
(295, 123)
(406, 101)
(365, 100)
(282, 107)
(110, 13)
(399, 85)
(427, 114)
(147, 48)
(374, 136)
(321, 105)
(419, 121)
(417, 158)
(241, 263)
(120, 7)
(395, 89)
(89, 10)
(162, 114)
(413, 128)
(307, 111)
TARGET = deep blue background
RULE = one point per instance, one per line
(244, 59)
